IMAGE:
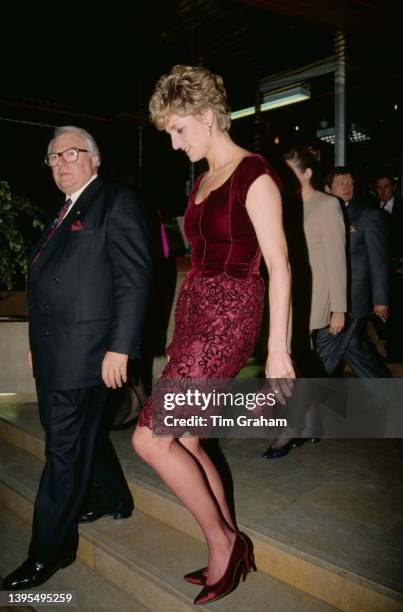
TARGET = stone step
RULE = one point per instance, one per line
(316, 576)
(142, 556)
(92, 592)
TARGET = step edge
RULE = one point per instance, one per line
(267, 541)
(130, 565)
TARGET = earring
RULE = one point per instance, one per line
(209, 129)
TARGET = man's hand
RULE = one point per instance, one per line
(337, 322)
(29, 358)
(381, 311)
(114, 369)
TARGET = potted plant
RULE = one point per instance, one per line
(17, 218)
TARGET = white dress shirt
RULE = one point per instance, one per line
(74, 196)
(388, 206)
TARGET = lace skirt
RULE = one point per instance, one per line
(217, 324)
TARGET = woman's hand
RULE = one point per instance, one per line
(337, 322)
(281, 372)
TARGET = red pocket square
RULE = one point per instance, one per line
(76, 226)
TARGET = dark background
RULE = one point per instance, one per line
(78, 63)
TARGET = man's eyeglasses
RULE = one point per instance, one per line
(68, 155)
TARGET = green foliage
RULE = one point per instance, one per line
(16, 215)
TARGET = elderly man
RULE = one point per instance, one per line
(368, 284)
(87, 292)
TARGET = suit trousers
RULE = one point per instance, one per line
(352, 345)
(394, 324)
(76, 441)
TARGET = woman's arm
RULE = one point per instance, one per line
(263, 204)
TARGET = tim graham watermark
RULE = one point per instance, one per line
(216, 420)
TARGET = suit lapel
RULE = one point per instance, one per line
(80, 206)
(45, 233)
(50, 249)
(86, 199)
(353, 210)
(396, 209)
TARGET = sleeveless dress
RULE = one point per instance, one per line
(219, 308)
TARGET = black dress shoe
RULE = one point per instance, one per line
(90, 517)
(32, 573)
(281, 451)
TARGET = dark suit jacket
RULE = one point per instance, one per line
(368, 259)
(394, 224)
(88, 290)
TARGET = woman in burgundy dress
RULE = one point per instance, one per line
(234, 215)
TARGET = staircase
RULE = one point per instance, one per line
(138, 563)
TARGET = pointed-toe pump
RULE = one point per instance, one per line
(280, 451)
(251, 554)
(238, 565)
(199, 576)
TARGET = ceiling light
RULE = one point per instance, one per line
(356, 134)
(276, 100)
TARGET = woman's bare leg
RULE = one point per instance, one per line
(194, 446)
(178, 468)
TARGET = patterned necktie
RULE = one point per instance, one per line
(53, 228)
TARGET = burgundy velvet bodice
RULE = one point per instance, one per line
(219, 229)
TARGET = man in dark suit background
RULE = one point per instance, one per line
(392, 208)
(87, 293)
(368, 284)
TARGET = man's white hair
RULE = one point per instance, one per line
(91, 145)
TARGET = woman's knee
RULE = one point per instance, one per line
(147, 446)
(139, 441)
(193, 445)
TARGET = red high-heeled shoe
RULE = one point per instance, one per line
(199, 576)
(237, 566)
(251, 554)
(196, 577)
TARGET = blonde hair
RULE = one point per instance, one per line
(189, 90)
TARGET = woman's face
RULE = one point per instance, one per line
(190, 134)
(303, 176)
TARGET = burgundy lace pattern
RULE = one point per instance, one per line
(217, 323)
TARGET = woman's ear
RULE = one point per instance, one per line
(308, 173)
(208, 117)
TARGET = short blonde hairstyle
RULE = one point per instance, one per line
(189, 90)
